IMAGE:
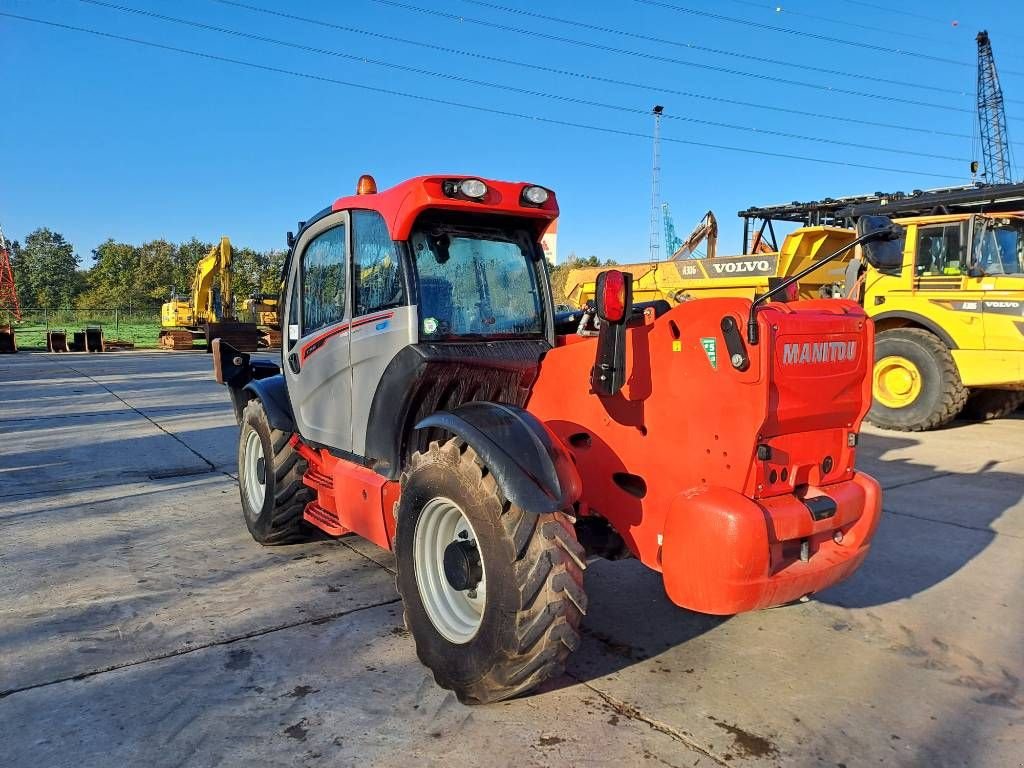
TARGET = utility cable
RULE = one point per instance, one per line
(462, 53)
(509, 88)
(781, 10)
(464, 105)
(716, 51)
(813, 35)
(665, 59)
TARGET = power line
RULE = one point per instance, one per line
(716, 51)
(892, 9)
(463, 105)
(667, 59)
(803, 33)
(509, 88)
(589, 77)
(782, 10)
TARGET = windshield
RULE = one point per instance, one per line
(476, 283)
(999, 246)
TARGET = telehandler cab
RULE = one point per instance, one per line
(431, 400)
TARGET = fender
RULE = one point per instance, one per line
(532, 466)
(272, 392)
(921, 320)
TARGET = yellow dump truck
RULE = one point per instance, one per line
(677, 280)
(949, 323)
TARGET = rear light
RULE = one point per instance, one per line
(611, 296)
(470, 189)
(534, 195)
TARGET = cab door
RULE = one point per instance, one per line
(317, 353)
(383, 322)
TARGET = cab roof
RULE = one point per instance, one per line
(403, 203)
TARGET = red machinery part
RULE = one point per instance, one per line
(698, 456)
(724, 553)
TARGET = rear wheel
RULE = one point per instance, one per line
(493, 594)
(915, 382)
(270, 481)
(984, 404)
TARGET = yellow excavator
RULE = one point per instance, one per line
(207, 313)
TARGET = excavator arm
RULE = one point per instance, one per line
(706, 229)
(207, 307)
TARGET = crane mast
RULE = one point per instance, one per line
(995, 146)
(655, 241)
(8, 290)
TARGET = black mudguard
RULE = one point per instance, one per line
(531, 465)
(274, 395)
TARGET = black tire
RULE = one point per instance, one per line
(278, 520)
(985, 404)
(534, 599)
(942, 394)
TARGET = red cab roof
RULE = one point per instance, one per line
(402, 204)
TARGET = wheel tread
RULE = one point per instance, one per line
(548, 564)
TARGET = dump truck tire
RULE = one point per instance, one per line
(270, 481)
(985, 404)
(518, 623)
(916, 384)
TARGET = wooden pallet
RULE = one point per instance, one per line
(176, 339)
(245, 337)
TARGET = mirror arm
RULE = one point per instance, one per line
(752, 332)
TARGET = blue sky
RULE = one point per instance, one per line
(103, 138)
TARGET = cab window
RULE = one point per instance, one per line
(941, 250)
(999, 247)
(377, 281)
(476, 283)
(323, 280)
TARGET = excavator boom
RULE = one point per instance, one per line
(706, 229)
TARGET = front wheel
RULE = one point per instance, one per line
(915, 382)
(270, 481)
(493, 594)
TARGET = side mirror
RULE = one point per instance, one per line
(883, 243)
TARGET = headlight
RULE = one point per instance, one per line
(535, 195)
(473, 188)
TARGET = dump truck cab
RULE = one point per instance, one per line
(431, 399)
(962, 281)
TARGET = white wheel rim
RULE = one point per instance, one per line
(252, 457)
(455, 614)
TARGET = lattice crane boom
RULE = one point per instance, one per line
(9, 305)
(995, 146)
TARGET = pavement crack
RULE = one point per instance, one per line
(364, 555)
(186, 651)
(633, 713)
(953, 523)
(131, 407)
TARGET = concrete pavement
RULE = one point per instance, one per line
(140, 624)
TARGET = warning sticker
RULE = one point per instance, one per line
(710, 344)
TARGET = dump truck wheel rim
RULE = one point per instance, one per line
(255, 490)
(456, 614)
(897, 381)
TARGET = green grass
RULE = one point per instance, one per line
(32, 335)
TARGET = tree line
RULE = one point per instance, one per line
(48, 274)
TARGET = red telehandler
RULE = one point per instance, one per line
(431, 400)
